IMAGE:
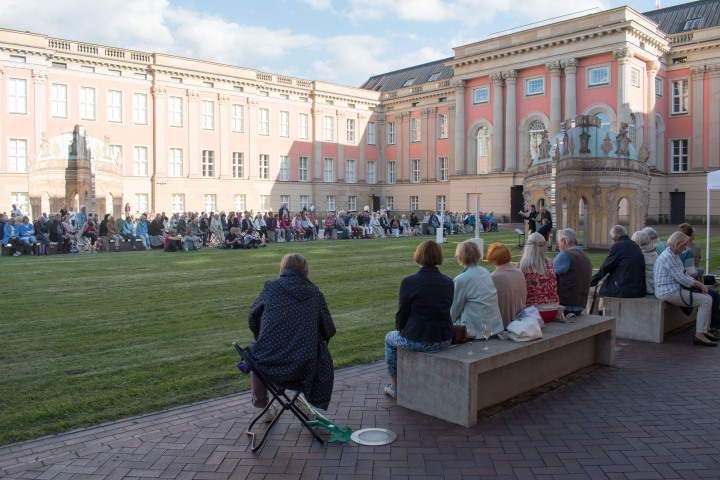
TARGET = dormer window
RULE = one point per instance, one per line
(692, 24)
(409, 82)
(434, 77)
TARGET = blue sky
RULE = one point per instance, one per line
(331, 40)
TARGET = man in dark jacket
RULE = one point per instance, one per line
(58, 234)
(624, 267)
(42, 231)
(574, 270)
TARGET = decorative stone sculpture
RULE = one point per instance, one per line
(606, 146)
(623, 141)
(584, 141)
(643, 153)
(544, 147)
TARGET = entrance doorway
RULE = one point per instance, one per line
(516, 203)
(677, 207)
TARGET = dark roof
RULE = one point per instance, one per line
(420, 73)
(672, 20)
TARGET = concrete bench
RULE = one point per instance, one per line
(646, 318)
(454, 386)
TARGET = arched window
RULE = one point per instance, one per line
(604, 120)
(536, 130)
(623, 212)
(77, 202)
(631, 130)
(483, 156)
(541, 203)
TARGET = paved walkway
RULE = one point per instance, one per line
(654, 415)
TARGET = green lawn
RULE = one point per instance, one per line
(90, 338)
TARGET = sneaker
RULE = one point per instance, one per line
(391, 391)
(17, 254)
(270, 414)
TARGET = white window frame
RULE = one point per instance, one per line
(352, 203)
(674, 142)
(114, 106)
(238, 118)
(443, 126)
(284, 123)
(390, 203)
(635, 77)
(443, 169)
(372, 172)
(263, 121)
(683, 95)
(284, 168)
(414, 202)
(371, 133)
(178, 202)
(481, 95)
(659, 86)
(240, 202)
(141, 202)
(58, 100)
(350, 170)
(286, 200)
(303, 119)
(208, 115)
(175, 111)
(303, 168)
(330, 201)
(304, 203)
(350, 130)
(264, 166)
(208, 163)
(533, 83)
(329, 129)
(329, 169)
(140, 161)
(603, 81)
(175, 162)
(391, 133)
(140, 110)
(415, 129)
(22, 200)
(440, 203)
(415, 177)
(238, 165)
(17, 97)
(264, 203)
(391, 171)
(87, 103)
(210, 202)
(17, 155)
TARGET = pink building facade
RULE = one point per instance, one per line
(101, 126)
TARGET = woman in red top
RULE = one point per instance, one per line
(540, 278)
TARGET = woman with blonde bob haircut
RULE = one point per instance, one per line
(422, 322)
(509, 282)
(475, 301)
(540, 278)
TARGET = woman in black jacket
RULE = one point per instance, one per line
(422, 321)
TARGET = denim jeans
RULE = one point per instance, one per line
(393, 341)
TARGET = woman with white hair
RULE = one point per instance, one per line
(653, 236)
(540, 278)
(642, 238)
(376, 227)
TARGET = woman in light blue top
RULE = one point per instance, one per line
(475, 300)
(142, 232)
(27, 232)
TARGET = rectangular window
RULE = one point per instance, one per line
(264, 121)
(390, 203)
(114, 73)
(238, 118)
(116, 152)
(481, 95)
(85, 68)
(303, 125)
(534, 86)
(208, 84)
(659, 87)
(415, 129)
(440, 203)
(443, 169)
(413, 203)
(329, 129)
(210, 202)
(22, 201)
(634, 77)
(87, 103)
(141, 202)
(303, 169)
(175, 80)
(371, 133)
(443, 126)
(175, 162)
(350, 137)
(286, 200)
(415, 170)
(17, 156)
(17, 95)
(178, 202)
(114, 106)
(208, 115)
(140, 76)
(330, 199)
(391, 133)
(284, 123)
(208, 163)
(680, 102)
(391, 171)
(140, 161)
(284, 168)
(350, 172)
(352, 204)
(304, 202)
(175, 111)
(329, 170)
(598, 76)
(140, 108)
(680, 155)
(264, 203)
(371, 173)
(58, 100)
(18, 58)
(238, 165)
(240, 202)
(264, 166)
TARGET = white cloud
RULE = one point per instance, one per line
(319, 4)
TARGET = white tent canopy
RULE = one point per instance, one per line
(713, 183)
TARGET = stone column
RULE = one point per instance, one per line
(460, 127)
(159, 127)
(223, 124)
(451, 137)
(510, 122)
(622, 57)
(434, 133)
(698, 100)
(317, 119)
(653, 161)
(403, 155)
(570, 65)
(251, 162)
(555, 97)
(194, 155)
(341, 137)
(424, 132)
(40, 94)
(362, 122)
(497, 142)
(714, 110)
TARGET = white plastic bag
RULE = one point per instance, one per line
(524, 330)
(531, 312)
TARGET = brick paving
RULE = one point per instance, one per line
(652, 416)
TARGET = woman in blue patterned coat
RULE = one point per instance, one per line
(292, 326)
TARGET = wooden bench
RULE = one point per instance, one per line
(454, 386)
(646, 318)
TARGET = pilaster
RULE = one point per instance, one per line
(497, 144)
(698, 77)
(251, 162)
(362, 122)
(714, 111)
(652, 69)
(432, 154)
(381, 140)
(194, 154)
(424, 132)
(403, 142)
(341, 137)
(555, 69)
(160, 127)
(510, 78)
(40, 92)
(317, 119)
(224, 155)
(622, 57)
(460, 128)
(452, 126)
(570, 65)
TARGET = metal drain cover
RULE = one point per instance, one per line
(373, 437)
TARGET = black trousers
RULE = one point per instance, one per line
(19, 246)
(175, 246)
